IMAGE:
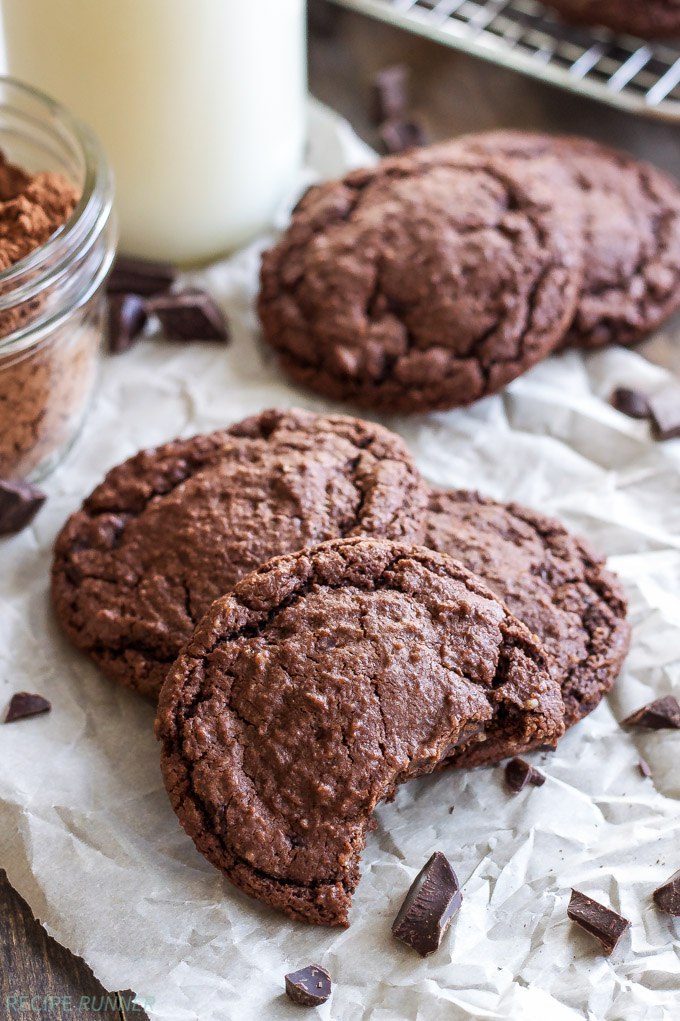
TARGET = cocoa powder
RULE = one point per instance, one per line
(32, 208)
(44, 387)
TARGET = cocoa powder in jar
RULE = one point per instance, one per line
(44, 387)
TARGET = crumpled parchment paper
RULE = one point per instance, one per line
(86, 832)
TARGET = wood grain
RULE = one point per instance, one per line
(41, 979)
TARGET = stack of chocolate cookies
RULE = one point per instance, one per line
(319, 627)
(435, 278)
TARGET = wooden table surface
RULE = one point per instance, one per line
(451, 93)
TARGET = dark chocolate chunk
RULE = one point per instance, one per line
(309, 987)
(662, 714)
(432, 901)
(127, 319)
(24, 704)
(644, 767)
(605, 925)
(519, 774)
(633, 403)
(19, 504)
(390, 93)
(139, 276)
(189, 315)
(667, 897)
(323, 19)
(665, 411)
(399, 135)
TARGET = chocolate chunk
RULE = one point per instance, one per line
(19, 504)
(601, 922)
(633, 403)
(23, 705)
(432, 901)
(662, 714)
(399, 135)
(667, 897)
(189, 315)
(390, 93)
(644, 767)
(139, 276)
(323, 20)
(309, 987)
(665, 411)
(127, 319)
(519, 774)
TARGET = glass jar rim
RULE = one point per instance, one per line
(23, 280)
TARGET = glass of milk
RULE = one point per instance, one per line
(200, 105)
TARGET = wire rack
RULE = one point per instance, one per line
(520, 34)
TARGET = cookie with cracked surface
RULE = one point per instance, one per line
(551, 580)
(318, 685)
(426, 282)
(630, 216)
(649, 19)
(170, 530)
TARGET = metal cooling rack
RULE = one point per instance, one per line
(520, 34)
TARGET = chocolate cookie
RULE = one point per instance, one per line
(170, 530)
(650, 19)
(551, 580)
(428, 281)
(318, 685)
(630, 214)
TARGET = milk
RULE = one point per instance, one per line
(200, 105)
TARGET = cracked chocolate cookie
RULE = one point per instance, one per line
(650, 19)
(170, 530)
(318, 685)
(551, 580)
(630, 216)
(426, 282)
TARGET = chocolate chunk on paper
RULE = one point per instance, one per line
(127, 319)
(390, 93)
(24, 704)
(189, 315)
(140, 276)
(520, 774)
(667, 897)
(309, 987)
(19, 504)
(400, 135)
(665, 412)
(606, 925)
(432, 901)
(662, 714)
(633, 403)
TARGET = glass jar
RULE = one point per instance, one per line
(52, 302)
(200, 104)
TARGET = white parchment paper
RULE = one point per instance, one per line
(88, 837)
